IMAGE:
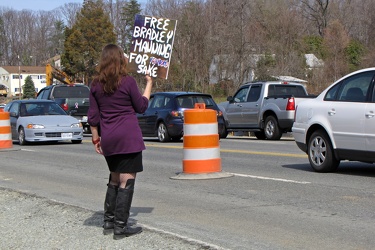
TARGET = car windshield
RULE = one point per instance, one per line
(41, 108)
(190, 101)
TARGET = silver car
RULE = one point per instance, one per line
(340, 123)
(42, 120)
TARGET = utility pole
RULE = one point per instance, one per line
(19, 77)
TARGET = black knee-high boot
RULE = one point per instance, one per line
(109, 209)
(123, 204)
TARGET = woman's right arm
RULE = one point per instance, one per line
(139, 101)
(148, 88)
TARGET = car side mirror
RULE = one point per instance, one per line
(13, 114)
(230, 99)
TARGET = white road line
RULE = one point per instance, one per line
(270, 178)
(187, 239)
(29, 150)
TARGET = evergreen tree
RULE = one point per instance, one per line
(131, 9)
(314, 45)
(85, 40)
(28, 88)
(354, 53)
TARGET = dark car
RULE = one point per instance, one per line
(73, 98)
(164, 117)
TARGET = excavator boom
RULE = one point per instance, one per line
(53, 73)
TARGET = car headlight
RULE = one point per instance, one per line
(76, 125)
(35, 126)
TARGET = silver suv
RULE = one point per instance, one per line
(340, 123)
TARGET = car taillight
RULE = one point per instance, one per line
(290, 104)
(175, 113)
(65, 106)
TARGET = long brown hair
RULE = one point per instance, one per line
(112, 67)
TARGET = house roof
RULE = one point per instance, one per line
(25, 69)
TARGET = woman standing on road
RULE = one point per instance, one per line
(114, 101)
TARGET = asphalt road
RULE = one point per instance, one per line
(273, 201)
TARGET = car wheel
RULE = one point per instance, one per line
(260, 135)
(163, 135)
(21, 136)
(86, 130)
(320, 152)
(224, 133)
(76, 141)
(271, 129)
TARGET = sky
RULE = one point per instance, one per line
(39, 4)
(36, 4)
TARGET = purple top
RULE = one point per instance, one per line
(119, 129)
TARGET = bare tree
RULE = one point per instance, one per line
(317, 12)
(115, 10)
(231, 38)
(336, 39)
(44, 30)
(234, 33)
(69, 13)
(26, 35)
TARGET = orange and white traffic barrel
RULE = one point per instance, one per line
(201, 157)
(5, 130)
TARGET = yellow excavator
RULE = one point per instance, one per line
(53, 73)
(3, 90)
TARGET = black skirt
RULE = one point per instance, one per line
(125, 163)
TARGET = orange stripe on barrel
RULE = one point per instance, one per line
(5, 130)
(201, 141)
(6, 144)
(196, 116)
(201, 166)
(4, 115)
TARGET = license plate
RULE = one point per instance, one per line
(66, 135)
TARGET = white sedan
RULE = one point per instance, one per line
(340, 123)
(42, 120)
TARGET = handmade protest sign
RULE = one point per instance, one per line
(152, 44)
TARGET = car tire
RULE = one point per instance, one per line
(21, 136)
(86, 130)
(163, 135)
(320, 153)
(224, 133)
(271, 128)
(76, 141)
(260, 135)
